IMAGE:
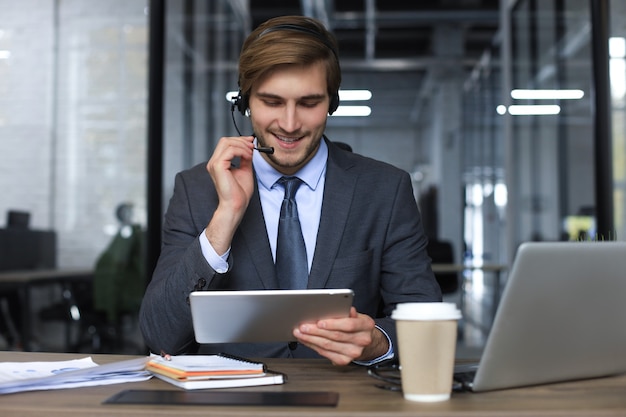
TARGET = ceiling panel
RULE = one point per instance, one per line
(390, 46)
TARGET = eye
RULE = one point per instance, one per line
(310, 104)
(272, 103)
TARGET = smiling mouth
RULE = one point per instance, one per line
(288, 139)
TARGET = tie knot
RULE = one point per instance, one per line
(291, 185)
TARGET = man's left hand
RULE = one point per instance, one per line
(344, 340)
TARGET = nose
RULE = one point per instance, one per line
(289, 120)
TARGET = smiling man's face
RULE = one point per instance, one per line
(288, 111)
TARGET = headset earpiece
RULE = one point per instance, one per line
(241, 103)
(334, 103)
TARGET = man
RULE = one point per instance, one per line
(361, 226)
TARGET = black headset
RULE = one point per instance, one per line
(241, 101)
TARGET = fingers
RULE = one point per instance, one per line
(336, 347)
(232, 183)
(340, 340)
(234, 188)
(229, 148)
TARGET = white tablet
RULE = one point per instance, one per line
(263, 315)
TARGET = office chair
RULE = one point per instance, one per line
(441, 252)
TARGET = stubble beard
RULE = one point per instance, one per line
(302, 158)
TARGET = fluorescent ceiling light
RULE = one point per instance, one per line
(520, 94)
(533, 110)
(231, 95)
(355, 111)
(5, 54)
(355, 95)
(617, 47)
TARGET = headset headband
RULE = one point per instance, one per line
(302, 29)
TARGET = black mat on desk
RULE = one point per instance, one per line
(240, 398)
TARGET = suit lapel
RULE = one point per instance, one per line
(338, 194)
(255, 236)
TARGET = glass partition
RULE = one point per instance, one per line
(617, 70)
(552, 132)
(73, 110)
(73, 100)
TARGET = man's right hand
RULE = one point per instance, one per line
(234, 186)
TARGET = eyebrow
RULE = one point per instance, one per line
(277, 97)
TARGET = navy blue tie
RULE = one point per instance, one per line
(291, 264)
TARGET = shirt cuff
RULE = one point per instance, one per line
(389, 355)
(217, 262)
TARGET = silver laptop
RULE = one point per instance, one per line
(562, 317)
(262, 315)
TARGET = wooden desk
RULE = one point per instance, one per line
(24, 281)
(358, 396)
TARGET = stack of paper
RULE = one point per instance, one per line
(212, 371)
(32, 376)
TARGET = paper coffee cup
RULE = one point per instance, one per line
(426, 345)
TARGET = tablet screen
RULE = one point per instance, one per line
(264, 315)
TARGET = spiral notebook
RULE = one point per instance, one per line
(212, 371)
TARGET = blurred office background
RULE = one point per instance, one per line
(102, 102)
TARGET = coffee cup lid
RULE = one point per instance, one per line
(426, 311)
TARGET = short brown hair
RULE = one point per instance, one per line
(295, 40)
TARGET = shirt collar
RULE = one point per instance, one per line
(310, 174)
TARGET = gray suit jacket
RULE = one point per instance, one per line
(370, 239)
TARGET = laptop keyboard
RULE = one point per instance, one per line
(464, 377)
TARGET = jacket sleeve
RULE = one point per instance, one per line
(165, 315)
(406, 273)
